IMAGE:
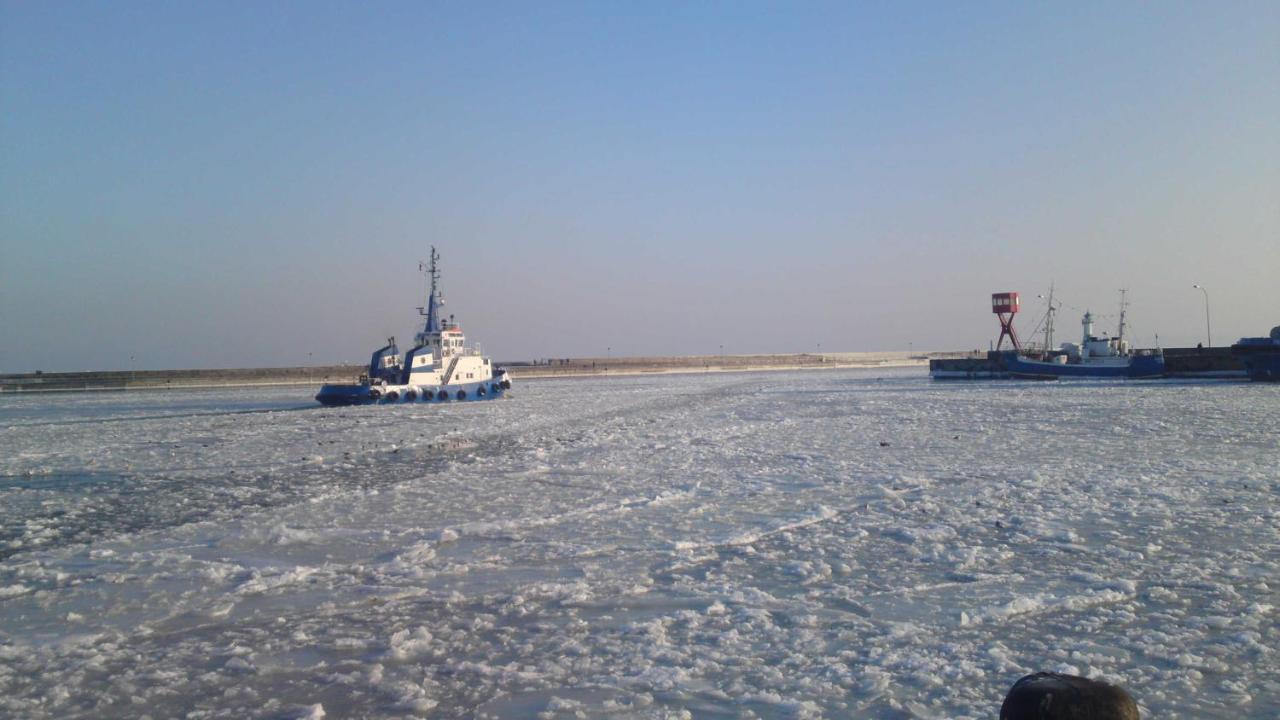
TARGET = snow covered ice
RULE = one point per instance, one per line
(722, 545)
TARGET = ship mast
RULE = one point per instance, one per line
(1048, 323)
(434, 299)
(1123, 305)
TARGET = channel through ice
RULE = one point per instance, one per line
(861, 544)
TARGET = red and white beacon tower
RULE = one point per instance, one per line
(1005, 306)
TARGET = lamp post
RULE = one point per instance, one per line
(1207, 332)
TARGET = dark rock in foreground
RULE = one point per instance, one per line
(1052, 696)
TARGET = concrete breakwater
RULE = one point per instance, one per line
(172, 379)
(563, 367)
(554, 367)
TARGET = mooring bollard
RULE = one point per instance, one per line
(1053, 696)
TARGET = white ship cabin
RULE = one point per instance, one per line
(442, 358)
(1095, 349)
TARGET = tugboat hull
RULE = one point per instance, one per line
(347, 394)
(337, 395)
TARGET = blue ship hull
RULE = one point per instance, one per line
(345, 394)
(337, 395)
(1140, 366)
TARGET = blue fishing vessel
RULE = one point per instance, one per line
(1095, 356)
(439, 368)
(1261, 356)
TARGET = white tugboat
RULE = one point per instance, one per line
(439, 368)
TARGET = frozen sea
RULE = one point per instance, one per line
(859, 544)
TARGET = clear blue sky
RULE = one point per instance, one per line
(252, 184)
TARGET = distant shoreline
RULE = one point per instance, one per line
(125, 380)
